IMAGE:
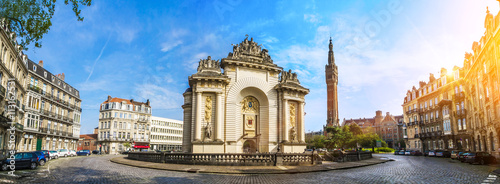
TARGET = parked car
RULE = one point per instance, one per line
(446, 154)
(407, 152)
(22, 160)
(309, 151)
(416, 153)
(53, 154)
(83, 153)
(462, 156)
(41, 159)
(432, 153)
(454, 154)
(46, 153)
(72, 153)
(401, 152)
(480, 157)
(63, 152)
(426, 153)
(442, 153)
(396, 152)
(97, 152)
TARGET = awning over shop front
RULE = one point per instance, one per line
(141, 146)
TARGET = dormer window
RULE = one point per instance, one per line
(53, 78)
(45, 74)
(34, 68)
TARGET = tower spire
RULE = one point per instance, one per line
(331, 58)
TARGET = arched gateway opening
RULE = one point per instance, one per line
(250, 111)
(249, 146)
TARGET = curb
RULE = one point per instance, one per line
(294, 171)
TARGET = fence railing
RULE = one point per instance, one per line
(357, 156)
(228, 159)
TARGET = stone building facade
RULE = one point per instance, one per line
(166, 134)
(482, 91)
(53, 111)
(435, 115)
(389, 128)
(468, 100)
(243, 103)
(124, 121)
(13, 73)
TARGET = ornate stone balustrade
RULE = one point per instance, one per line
(229, 159)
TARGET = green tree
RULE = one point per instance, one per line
(31, 19)
(368, 140)
(318, 141)
(127, 145)
(338, 137)
(355, 129)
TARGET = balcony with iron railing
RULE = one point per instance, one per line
(35, 88)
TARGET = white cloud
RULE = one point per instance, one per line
(312, 18)
(166, 46)
(164, 97)
(173, 39)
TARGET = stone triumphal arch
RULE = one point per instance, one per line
(243, 103)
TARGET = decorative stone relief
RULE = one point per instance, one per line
(292, 115)
(249, 105)
(208, 109)
(249, 122)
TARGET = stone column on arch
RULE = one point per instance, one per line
(286, 120)
(219, 119)
(301, 121)
(197, 127)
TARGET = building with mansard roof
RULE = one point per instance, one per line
(244, 103)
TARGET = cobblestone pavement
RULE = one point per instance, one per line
(406, 169)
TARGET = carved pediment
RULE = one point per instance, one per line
(250, 48)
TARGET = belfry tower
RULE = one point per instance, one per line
(331, 76)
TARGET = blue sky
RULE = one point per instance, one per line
(147, 49)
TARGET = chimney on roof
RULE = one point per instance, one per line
(40, 63)
(60, 76)
(147, 102)
(109, 98)
(96, 130)
(443, 72)
(132, 100)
